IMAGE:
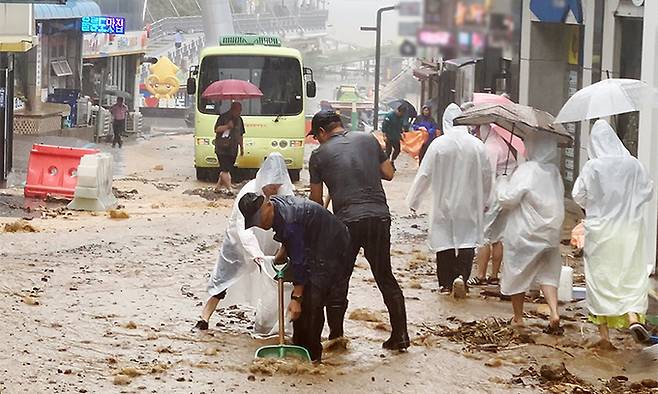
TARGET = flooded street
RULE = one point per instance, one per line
(92, 304)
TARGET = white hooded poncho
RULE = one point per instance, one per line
(534, 200)
(456, 168)
(614, 190)
(235, 268)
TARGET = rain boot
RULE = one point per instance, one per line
(335, 318)
(399, 339)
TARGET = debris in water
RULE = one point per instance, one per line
(131, 325)
(211, 351)
(494, 362)
(159, 368)
(30, 300)
(210, 194)
(165, 186)
(337, 345)
(130, 372)
(20, 226)
(158, 167)
(491, 334)
(165, 349)
(427, 340)
(126, 195)
(365, 314)
(121, 380)
(414, 284)
(118, 214)
(649, 383)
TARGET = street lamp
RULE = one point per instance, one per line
(378, 55)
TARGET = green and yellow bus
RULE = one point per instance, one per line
(273, 123)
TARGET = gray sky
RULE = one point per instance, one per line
(347, 16)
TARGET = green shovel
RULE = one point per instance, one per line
(282, 350)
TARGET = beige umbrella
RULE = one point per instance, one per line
(519, 119)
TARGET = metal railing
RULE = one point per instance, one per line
(307, 20)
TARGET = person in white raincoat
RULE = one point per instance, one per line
(457, 170)
(534, 200)
(613, 188)
(241, 265)
(503, 160)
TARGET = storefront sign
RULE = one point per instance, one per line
(104, 45)
(103, 24)
(431, 37)
(557, 11)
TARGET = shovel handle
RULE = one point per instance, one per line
(282, 328)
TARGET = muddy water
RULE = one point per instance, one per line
(92, 304)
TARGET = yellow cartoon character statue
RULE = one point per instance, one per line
(163, 82)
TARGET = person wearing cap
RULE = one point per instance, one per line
(352, 165)
(392, 127)
(316, 244)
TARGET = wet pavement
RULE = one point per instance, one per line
(95, 304)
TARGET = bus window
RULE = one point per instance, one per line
(279, 78)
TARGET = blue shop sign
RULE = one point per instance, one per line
(557, 11)
(103, 24)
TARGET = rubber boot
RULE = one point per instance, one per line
(335, 318)
(399, 339)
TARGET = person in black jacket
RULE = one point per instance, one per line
(316, 244)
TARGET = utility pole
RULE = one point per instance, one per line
(378, 55)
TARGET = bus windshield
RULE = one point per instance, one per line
(279, 78)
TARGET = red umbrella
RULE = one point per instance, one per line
(231, 89)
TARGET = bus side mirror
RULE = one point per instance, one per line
(191, 86)
(311, 89)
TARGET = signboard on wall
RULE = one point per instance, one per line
(557, 11)
(104, 45)
(103, 24)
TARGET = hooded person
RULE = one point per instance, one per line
(456, 169)
(614, 189)
(503, 161)
(425, 122)
(241, 265)
(533, 198)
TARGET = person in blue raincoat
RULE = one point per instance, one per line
(425, 122)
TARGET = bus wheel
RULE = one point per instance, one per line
(294, 175)
(207, 174)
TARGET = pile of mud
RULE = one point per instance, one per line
(287, 366)
(557, 379)
(20, 226)
(125, 194)
(491, 334)
(210, 194)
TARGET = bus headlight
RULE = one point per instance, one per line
(283, 144)
(275, 144)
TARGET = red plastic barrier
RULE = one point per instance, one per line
(51, 170)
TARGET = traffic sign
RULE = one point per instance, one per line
(409, 8)
(408, 49)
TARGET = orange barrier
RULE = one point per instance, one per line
(51, 170)
(411, 143)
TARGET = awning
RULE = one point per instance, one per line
(73, 9)
(425, 73)
(15, 43)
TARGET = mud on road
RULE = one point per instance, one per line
(92, 304)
